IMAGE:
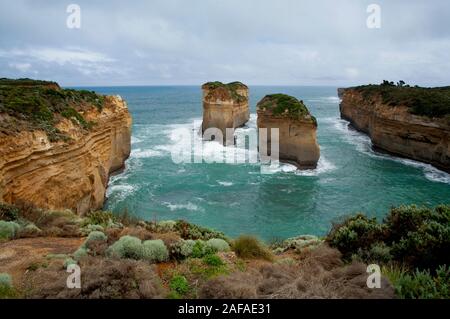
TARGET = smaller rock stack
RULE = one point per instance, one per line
(224, 106)
(297, 129)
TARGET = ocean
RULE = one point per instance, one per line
(238, 198)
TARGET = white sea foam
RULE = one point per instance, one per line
(138, 153)
(363, 144)
(135, 140)
(188, 206)
(184, 139)
(122, 191)
(323, 166)
(326, 99)
(225, 183)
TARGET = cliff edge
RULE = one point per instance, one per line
(297, 129)
(411, 122)
(59, 146)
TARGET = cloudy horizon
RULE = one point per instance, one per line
(174, 42)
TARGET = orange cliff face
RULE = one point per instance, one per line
(71, 173)
(225, 106)
(297, 129)
(395, 130)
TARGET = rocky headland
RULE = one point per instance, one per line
(225, 106)
(297, 129)
(59, 146)
(410, 122)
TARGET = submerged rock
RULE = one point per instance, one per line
(297, 129)
(225, 106)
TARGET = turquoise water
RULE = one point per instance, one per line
(239, 199)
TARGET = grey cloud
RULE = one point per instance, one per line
(260, 42)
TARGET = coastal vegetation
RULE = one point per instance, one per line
(129, 258)
(232, 89)
(285, 106)
(40, 105)
(424, 101)
(412, 244)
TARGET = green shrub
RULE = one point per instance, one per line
(420, 236)
(8, 212)
(182, 248)
(201, 249)
(8, 230)
(154, 251)
(417, 236)
(5, 280)
(423, 285)
(218, 244)
(101, 218)
(165, 225)
(6, 286)
(251, 247)
(354, 233)
(127, 247)
(213, 260)
(179, 285)
(378, 253)
(86, 230)
(95, 236)
(80, 253)
(191, 231)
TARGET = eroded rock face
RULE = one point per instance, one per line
(396, 130)
(297, 129)
(71, 174)
(224, 106)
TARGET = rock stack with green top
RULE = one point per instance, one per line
(224, 106)
(297, 129)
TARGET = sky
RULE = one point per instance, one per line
(258, 42)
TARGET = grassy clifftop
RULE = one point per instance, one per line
(229, 88)
(431, 102)
(283, 105)
(40, 104)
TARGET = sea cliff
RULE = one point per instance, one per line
(58, 147)
(225, 106)
(410, 122)
(296, 126)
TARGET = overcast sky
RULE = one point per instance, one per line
(282, 42)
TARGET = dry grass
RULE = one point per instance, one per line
(320, 273)
(139, 232)
(250, 247)
(100, 278)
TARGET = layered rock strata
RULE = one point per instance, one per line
(225, 106)
(396, 130)
(296, 126)
(70, 172)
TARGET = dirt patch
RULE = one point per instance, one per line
(17, 255)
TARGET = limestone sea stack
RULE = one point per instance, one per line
(58, 147)
(225, 106)
(297, 129)
(411, 122)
